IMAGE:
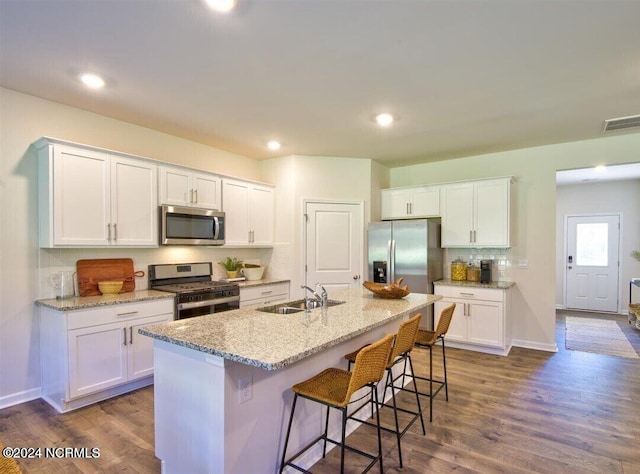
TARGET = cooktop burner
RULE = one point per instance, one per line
(194, 286)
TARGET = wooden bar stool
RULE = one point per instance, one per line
(429, 339)
(401, 353)
(334, 388)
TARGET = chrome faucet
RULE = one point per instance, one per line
(320, 298)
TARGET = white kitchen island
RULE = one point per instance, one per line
(223, 382)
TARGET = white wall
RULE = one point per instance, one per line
(314, 177)
(24, 268)
(534, 225)
(621, 197)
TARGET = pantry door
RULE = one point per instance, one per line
(592, 262)
(334, 238)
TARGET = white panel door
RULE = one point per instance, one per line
(81, 210)
(134, 209)
(334, 239)
(175, 187)
(235, 201)
(592, 262)
(97, 358)
(140, 357)
(207, 192)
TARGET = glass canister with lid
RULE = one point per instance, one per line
(473, 272)
(458, 270)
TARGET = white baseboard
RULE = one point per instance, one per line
(535, 345)
(561, 306)
(19, 397)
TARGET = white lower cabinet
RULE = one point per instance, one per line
(481, 321)
(92, 354)
(264, 294)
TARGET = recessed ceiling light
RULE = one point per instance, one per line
(274, 145)
(92, 81)
(223, 6)
(384, 120)
(600, 168)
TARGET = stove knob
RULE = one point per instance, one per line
(199, 297)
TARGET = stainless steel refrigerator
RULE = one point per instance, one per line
(407, 249)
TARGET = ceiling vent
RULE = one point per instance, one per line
(622, 123)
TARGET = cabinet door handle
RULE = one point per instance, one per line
(474, 236)
(469, 309)
(108, 232)
(191, 195)
(124, 334)
(407, 206)
(131, 335)
(115, 232)
(195, 196)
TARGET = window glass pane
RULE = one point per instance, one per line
(592, 247)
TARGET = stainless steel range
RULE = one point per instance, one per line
(196, 293)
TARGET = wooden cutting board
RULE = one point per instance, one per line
(91, 271)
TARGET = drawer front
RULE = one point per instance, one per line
(117, 313)
(470, 293)
(278, 290)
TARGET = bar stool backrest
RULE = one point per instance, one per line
(405, 338)
(445, 320)
(370, 365)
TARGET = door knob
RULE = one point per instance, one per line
(569, 267)
(356, 277)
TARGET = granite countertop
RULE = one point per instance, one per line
(86, 302)
(499, 285)
(272, 341)
(251, 283)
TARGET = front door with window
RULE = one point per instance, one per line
(592, 262)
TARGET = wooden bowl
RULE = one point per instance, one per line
(392, 291)
(110, 287)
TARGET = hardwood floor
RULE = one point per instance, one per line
(564, 412)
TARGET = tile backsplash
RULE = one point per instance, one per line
(51, 261)
(501, 270)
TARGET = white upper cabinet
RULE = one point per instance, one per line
(183, 187)
(249, 213)
(93, 198)
(476, 213)
(411, 203)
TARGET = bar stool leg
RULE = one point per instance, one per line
(286, 441)
(389, 382)
(444, 363)
(374, 399)
(430, 383)
(344, 437)
(415, 388)
(326, 430)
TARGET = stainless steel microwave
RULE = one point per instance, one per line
(191, 226)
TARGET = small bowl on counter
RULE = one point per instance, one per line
(110, 287)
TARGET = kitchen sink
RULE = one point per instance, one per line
(296, 306)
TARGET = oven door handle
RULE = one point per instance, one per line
(215, 302)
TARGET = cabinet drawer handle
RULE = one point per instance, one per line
(267, 292)
(124, 333)
(130, 313)
(467, 294)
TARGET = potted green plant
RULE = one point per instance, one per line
(636, 254)
(231, 265)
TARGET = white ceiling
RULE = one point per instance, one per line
(463, 77)
(608, 173)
